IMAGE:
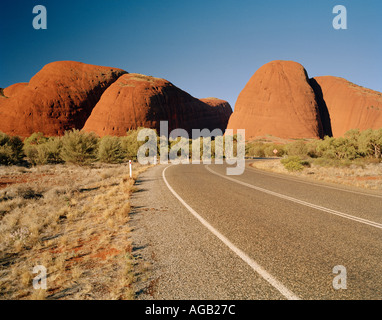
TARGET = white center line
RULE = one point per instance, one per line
(253, 264)
(304, 203)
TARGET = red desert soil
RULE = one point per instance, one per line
(6, 181)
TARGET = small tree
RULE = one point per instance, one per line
(35, 139)
(297, 148)
(111, 150)
(131, 144)
(11, 149)
(79, 147)
(41, 150)
(370, 142)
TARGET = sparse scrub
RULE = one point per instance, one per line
(354, 159)
(74, 221)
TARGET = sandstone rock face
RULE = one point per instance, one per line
(278, 100)
(59, 97)
(135, 100)
(14, 89)
(350, 106)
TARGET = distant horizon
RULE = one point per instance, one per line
(208, 49)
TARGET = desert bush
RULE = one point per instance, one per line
(79, 147)
(35, 139)
(5, 155)
(370, 143)
(41, 150)
(294, 163)
(269, 150)
(311, 148)
(297, 148)
(131, 144)
(111, 150)
(11, 150)
(255, 149)
(337, 148)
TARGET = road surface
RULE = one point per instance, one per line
(204, 235)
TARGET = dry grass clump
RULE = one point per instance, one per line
(72, 220)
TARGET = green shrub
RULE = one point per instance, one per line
(79, 147)
(370, 143)
(11, 150)
(35, 139)
(338, 148)
(297, 148)
(5, 155)
(257, 151)
(111, 150)
(271, 147)
(43, 150)
(294, 163)
(131, 144)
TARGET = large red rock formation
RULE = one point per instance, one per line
(59, 97)
(14, 89)
(278, 100)
(135, 100)
(349, 106)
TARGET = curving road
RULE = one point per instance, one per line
(255, 236)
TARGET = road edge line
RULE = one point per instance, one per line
(301, 202)
(241, 254)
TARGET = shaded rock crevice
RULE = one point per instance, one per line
(323, 109)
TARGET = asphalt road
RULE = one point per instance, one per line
(205, 235)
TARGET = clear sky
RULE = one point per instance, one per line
(209, 48)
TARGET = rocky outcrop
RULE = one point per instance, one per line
(59, 97)
(14, 89)
(136, 100)
(278, 100)
(349, 106)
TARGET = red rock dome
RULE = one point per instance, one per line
(349, 106)
(136, 100)
(278, 100)
(59, 97)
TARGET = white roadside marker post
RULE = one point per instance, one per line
(131, 169)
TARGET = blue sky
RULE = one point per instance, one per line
(208, 48)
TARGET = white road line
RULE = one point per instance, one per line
(253, 264)
(304, 203)
(311, 183)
